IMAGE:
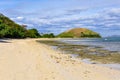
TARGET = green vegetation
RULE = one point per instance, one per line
(66, 35)
(51, 35)
(9, 29)
(79, 33)
(32, 33)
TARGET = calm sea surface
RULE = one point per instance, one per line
(111, 43)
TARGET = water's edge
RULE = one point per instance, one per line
(59, 46)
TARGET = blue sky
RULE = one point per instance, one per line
(56, 16)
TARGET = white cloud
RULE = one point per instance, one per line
(19, 18)
(106, 19)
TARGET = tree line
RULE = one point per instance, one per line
(9, 29)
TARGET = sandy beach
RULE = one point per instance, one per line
(26, 59)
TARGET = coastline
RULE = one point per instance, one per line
(26, 59)
(96, 54)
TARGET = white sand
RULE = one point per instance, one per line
(29, 60)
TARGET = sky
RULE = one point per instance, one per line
(56, 16)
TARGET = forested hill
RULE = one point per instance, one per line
(10, 29)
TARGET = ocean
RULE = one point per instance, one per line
(109, 43)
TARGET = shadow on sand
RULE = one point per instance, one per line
(4, 41)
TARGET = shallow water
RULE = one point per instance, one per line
(90, 54)
(112, 66)
(88, 61)
(112, 44)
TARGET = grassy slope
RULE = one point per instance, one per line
(78, 33)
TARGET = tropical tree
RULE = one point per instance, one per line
(32, 33)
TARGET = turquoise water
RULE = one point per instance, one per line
(110, 43)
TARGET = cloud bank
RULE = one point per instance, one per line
(57, 16)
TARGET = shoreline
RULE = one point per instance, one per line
(95, 54)
(27, 59)
(85, 60)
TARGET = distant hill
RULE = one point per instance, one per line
(79, 33)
